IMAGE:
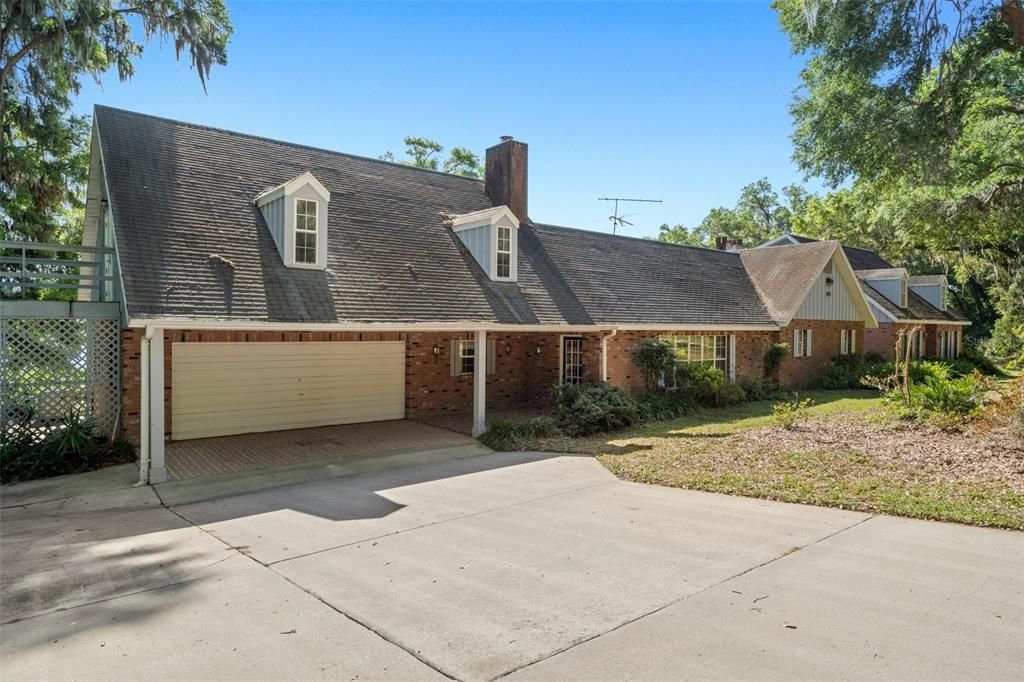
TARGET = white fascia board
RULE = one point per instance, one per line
(499, 215)
(957, 323)
(697, 327)
(779, 241)
(884, 312)
(852, 282)
(113, 228)
(292, 185)
(256, 325)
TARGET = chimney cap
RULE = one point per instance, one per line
(505, 138)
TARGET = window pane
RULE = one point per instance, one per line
(679, 347)
(695, 348)
(504, 265)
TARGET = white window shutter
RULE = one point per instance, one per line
(807, 343)
(843, 342)
(492, 356)
(796, 343)
(455, 362)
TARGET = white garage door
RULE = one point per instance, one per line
(224, 388)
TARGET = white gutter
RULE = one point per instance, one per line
(256, 325)
(604, 353)
(144, 408)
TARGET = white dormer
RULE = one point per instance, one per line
(890, 282)
(931, 288)
(492, 237)
(296, 214)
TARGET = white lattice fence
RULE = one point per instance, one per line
(51, 369)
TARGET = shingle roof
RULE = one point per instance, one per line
(882, 273)
(917, 307)
(927, 279)
(181, 192)
(618, 279)
(782, 275)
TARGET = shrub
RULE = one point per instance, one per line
(518, 435)
(789, 413)
(756, 390)
(659, 406)
(593, 408)
(655, 359)
(849, 371)
(971, 359)
(708, 385)
(772, 361)
(70, 448)
(957, 397)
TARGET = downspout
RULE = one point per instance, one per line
(144, 408)
(604, 353)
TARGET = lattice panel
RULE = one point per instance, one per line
(53, 368)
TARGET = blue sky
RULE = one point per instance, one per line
(680, 101)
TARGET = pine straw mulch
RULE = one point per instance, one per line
(866, 462)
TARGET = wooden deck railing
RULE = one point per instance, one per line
(22, 269)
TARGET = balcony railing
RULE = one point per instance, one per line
(90, 268)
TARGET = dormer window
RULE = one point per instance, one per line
(504, 256)
(492, 237)
(305, 231)
(903, 294)
(296, 216)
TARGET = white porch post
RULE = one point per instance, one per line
(157, 467)
(479, 383)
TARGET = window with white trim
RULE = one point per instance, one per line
(702, 349)
(467, 357)
(801, 343)
(504, 248)
(305, 231)
(847, 341)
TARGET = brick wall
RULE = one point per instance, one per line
(622, 348)
(825, 344)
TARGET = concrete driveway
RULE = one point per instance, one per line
(530, 566)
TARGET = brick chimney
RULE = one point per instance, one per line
(505, 175)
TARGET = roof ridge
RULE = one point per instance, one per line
(286, 143)
(647, 240)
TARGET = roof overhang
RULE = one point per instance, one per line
(499, 215)
(860, 299)
(306, 179)
(219, 324)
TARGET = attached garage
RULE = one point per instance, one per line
(225, 388)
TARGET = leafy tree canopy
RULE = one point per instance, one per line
(46, 48)
(916, 108)
(759, 215)
(424, 152)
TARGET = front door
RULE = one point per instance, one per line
(572, 360)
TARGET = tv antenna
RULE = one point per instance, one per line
(618, 220)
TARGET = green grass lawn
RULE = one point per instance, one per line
(827, 461)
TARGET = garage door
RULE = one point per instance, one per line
(219, 389)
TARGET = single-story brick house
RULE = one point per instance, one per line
(901, 301)
(270, 286)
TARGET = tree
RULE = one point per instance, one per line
(424, 152)
(46, 48)
(919, 105)
(757, 217)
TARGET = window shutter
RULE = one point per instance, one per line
(492, 356)
(807, 343)
(796, 343)
(843, 343)
(853, 340)
(454, 362)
